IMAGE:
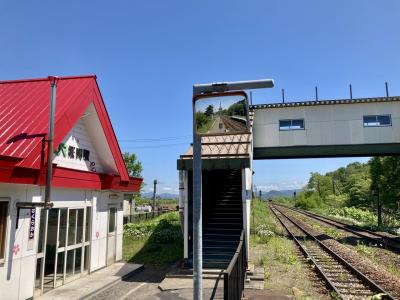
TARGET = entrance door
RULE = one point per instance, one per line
(67, 246)
(111, 236)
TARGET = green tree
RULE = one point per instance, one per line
(237, 108)
(358, 190)
(385, 178)
(209, 111)
(133, 166)
(320, 184)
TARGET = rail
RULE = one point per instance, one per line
(235, 273)
(390, 243)
(143, 216)
(366, 280)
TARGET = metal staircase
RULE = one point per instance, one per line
(222, 217)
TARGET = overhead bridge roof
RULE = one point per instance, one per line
(233, 151)
(325, 102)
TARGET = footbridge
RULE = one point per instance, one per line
(305, 129)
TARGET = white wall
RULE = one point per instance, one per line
(101, 204)
(17, 272)
(335, 124)
(88, 134)
(247, 182)
(183, 209)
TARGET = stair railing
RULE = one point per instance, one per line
(234, 275)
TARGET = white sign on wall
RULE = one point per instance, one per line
(77, 151)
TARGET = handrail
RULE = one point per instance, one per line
(235, 273)
(235, 257)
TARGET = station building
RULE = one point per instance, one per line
(41, 249)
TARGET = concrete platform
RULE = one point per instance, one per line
(180, 282)
(94, 283)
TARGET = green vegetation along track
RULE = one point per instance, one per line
(385, 241)
(345, 280)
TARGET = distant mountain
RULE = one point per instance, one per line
(265, 195)
(149, 195)
(275, 194)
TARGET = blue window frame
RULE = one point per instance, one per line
(377, 120)
(292, 124)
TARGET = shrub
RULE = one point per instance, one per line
(355, 214)
(163, 229)
(264, 232)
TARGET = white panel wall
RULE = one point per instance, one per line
(120, 229)
(17, 272)
(78, 137)
(183, 209)
(88, 134)
(100, 228)
(336, 124)
(247, 182)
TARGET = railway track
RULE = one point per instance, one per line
(378, 239)
(345, 280)
(232, 125)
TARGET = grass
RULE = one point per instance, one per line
(374, 253)
(261, 216)
(206, 126)
(158, 241)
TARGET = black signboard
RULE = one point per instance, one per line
(32, 224)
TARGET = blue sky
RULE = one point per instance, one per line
(148, 54)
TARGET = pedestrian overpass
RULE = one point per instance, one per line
(307, 129)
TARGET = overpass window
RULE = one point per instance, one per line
(377, 120)
(294, 124)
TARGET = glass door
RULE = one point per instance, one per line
(66, 254)
(111, 236)
(75, 243)
(49, 273)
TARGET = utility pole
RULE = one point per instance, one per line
(50, 142)
(333, 186)
(379, 204)
(154, 194)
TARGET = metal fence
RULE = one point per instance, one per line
(234, 275)
(143, 216)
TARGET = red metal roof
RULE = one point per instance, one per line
(24, 118)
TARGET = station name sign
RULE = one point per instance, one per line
(75, 153)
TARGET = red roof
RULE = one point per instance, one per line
(24, 119)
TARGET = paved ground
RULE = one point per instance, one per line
(92, 283)
(112, 283)
(143, 285)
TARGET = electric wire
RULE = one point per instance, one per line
(161, 139)
(156, 146)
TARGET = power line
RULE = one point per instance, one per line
(162, 139)
(156, 146)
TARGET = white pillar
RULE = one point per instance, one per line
(183, 207)
(246, 201)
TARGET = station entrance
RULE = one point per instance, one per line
(63, 247)
(222, 217)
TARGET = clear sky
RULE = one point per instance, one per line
(148, 54)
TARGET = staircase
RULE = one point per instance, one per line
(222, 217)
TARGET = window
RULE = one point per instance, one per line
(295, 124)
(377, 120)
(3, 227)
